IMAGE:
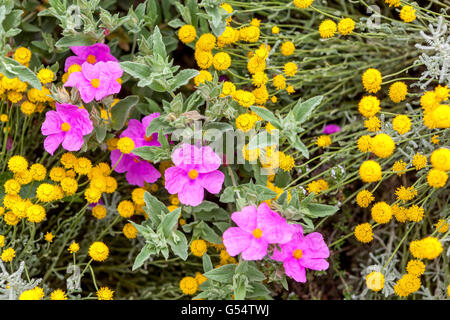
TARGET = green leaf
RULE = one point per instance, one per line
(151, 153)
(254, 274)
(180, 247)
(303, 110)
(300, 146)
(170, 221)
(203, 231)
(207, 264)
(206, 206)
(267, 115)
(154, 207)
(154, 126)
(100, 133)
(182, 78)
(11, 68)
(264, 193)
(142, 256)
(227, 195)
(78, 40)
(159, 47)
(321, 210)
(240, 288)
(261, 140)
(222, 274)
(119, 113)
(139, 71)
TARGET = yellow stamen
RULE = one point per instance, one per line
(257, 233)
(193, 174)
(91, 59)
(95, 83)
(297, 254)
(65, 126)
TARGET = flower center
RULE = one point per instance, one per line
(91, 59)
(148, 139)
(136, 160)
(119, 80)
(95, 83)
(65, 126)
(297, 254)
(193, 174)
(257, 233)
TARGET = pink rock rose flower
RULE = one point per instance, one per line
(256, 229)
(195, 170)
(91, 54)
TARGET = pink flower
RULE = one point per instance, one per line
(138, 171)
(68, 124)
(256, 229)
(91, 54)
(303, 253)
(136, 131)
(96, 80)
(195, 170)
(331, 128)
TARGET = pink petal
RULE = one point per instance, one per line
(314, 264)
(175, 179)
(191, 194)
(73, 60)
(211, 181)
(52, 142)
(246, 218)
(91, 71)
(275, 228)
(141, 172)
(73, 140)
(294, 270)
(236, 240)
(210, 160)
(257, 249)
(52, 123)
(316, 246)
(124, 163)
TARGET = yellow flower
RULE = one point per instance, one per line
(45, 192)
(369, 106)
(437, 178)
(125, 145)
(202, 77)
(249, 34)
(250, 155)
(279, 82)
(36, 213)
(204, 59)
(45, 75)
(287, 48)
(373, 124)
(275, 30)
(98, 251)
(74, 247)
(364, 198)
(440, 159)
(407, 284)
(441, 226)
(228, 89)
(245, 122)
(99, 211)
(82, 166)
(198, 247)
(261, 95)
(68, 160)
(17, 164)
(323, 141)
(302, 4)
(105, 293)
(111, 185)
(415, 267)
(426, 248)
(10, 218)
(22, 55)
(346, 26)
(327, 29)
(200, 278)
(2, 241)
(408, 14)
(381, 212)
(398, 91)
(406, 194)
(32, 294)
(290, 69)
(206, 42)
(12, 187)
(244, 98)
(317, 186)
(27, 108)
(363, 143)
(69, 185)
(435, 139)
(4, 117)
(57, 174)
(399, 213)
(364, 233)
(58, 294)
(370, 171)
(415, 213)
(442, 93)
(14, 96)
(371, 80)
(441, 117)
(187, 33)
(92, 195)
(188, 285)
(130, 231)
(401, 124)
(259, 79)
(375, 281)
(125, 209)
(8, 255)
(255, 22)
(395, 3)
(229, 36)
(287, 162)
(255, 65)
(49, 237)
(399, 167)
(382, 145)
(419, 161)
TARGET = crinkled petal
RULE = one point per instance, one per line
(211, 181)
(191, 193)
(73, 60)
(275, 228)
(175, 178)
(314, 264)
(52, 123)
(210, 160)
(236, 240)
(142, 172)
(316, 246)
(73, 140)
(294, 270)
(52, 142)
(124, 163)
(246, 218)
(257, 249)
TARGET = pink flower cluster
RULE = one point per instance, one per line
(100, 72)
(138, 171)
(196, 169)
(257, 228)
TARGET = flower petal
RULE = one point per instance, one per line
(236, 240)
(211, 181)
(246, 218)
